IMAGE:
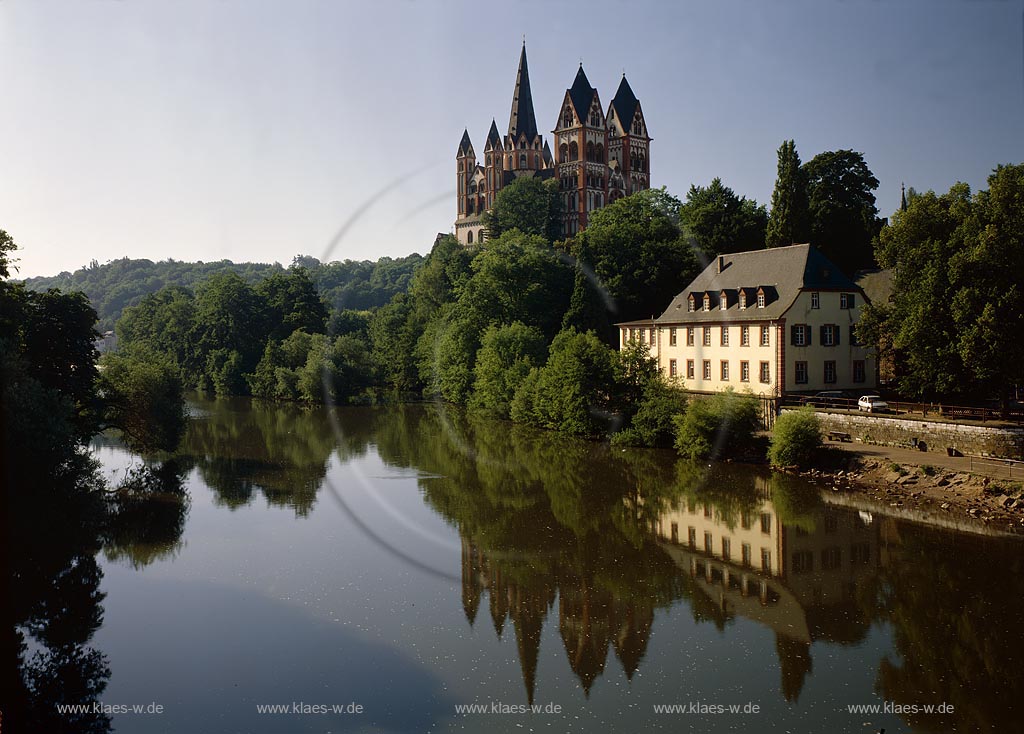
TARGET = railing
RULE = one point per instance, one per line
(910, 409)
(1013, 468)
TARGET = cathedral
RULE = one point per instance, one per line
(599, 156)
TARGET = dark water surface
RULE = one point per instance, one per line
(409, 560)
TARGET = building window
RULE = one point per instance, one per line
(689, 336)
(691, 537)
(709, 543)
(689, 303)
(725, 370)
(847, 300)
(689, 369)
(671, 368)
(625, 335)
(725, 336)
(744, 371)
(707, 369)
(815, 300)
(800, 335)
(766, 335)
(672, 337)
(746, 554)
(829, 334)
(801, 373)
(803, 561)
(743, 299)
(469, 237)
(723, 301)
(707, 336)
(831, 558)
(643, 336)
(830, 372)
(860, 553)
(859, 373)
(766, 523)
(744, 336)
(760, 300)
(654, 341)
(766, 373)
(726, 548)
(707, 302)
(766, 560)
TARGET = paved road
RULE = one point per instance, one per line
(985, 467)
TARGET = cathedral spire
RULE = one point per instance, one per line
(522, 121)
(903, 198)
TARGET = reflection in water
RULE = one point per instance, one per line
(610, 537)
(618, 553)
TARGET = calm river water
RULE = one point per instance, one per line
(403, 562)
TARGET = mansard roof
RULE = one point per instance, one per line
(522, 121)
(625, 103)
(779, 272)
(581, 94)
(465, 146)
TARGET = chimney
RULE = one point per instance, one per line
(721, 263)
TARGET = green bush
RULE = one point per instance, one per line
(654, 422)
(722, 425)
(795, 439)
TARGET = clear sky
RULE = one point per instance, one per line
(260, 130)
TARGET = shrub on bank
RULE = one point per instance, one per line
(720, 426)
(796, 439)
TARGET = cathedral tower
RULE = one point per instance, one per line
(628, 145)
(581, 161)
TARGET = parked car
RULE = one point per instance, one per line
(829, 399)
(872, 404)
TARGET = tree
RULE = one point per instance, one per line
(162, 323)
(528, 204)
(722, 425)
(506, 356)
(718, 221)
(144, 399)
(844, 218)
(291, 303)
(789, 221)
(638, 256)
(955, 318)
(230, 331)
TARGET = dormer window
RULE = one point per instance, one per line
(723, 300)
(707, 302)
(690, 303)
(760, 298)
(743, 299)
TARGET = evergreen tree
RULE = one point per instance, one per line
(789, 221)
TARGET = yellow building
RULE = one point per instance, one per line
(772, 321)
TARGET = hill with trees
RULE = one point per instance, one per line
(118, 284)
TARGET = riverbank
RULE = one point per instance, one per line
(931, 487)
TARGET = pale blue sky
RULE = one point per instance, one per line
(256, 130)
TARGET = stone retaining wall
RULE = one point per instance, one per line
(1006, 443)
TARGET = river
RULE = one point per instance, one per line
(380, 569)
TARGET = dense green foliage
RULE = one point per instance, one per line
(718, 221)
(720, 425)
(844, 218)
(118, 284)
(507, 354)
(789, 221)
(796, 439)
(955, 319)
(636, 254)
(528, 204)
(146, 401)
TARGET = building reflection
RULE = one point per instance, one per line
(799, 580)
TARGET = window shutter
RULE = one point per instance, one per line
(823, 335)
(835, 332)
(809, 331)
(792, 335)
(851, 300)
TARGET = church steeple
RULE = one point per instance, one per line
(903, 197)
(522, 120)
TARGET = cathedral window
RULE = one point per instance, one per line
(469, 237)
(563, 153)
(522, 160)
(574, 151)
